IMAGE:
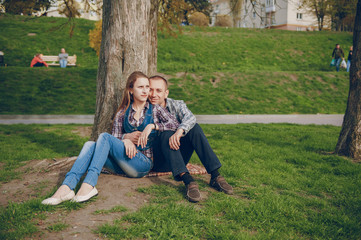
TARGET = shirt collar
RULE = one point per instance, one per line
(146, 106)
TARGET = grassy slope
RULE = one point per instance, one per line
(51, 35)
(235, 50)
(228, 71)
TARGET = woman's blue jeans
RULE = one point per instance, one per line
(108, 152)
(63, 63)
(348, 65)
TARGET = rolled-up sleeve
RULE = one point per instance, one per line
(184, 115)
(117, 130)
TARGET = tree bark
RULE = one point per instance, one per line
(129, 43)
(349, 141)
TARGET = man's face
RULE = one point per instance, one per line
(337, 46)
(158, 92)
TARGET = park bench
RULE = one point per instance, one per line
(54, 60)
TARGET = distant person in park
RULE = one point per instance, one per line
(63, 58)
(172, 151)
(114, 151)
(338, 55)
(349, 58)
(38, 61)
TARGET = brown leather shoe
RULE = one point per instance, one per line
(193, 194)
(220, 184)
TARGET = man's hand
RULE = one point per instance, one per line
(133, 137)
(130, 148)
(174, 140)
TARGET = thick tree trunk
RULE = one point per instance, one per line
(349, 141)
(129, 43)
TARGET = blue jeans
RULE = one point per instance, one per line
(109, 152)
(166, 159)
(348, 65)
(63, 63)
(338, 63)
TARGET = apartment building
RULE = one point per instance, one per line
(279, 14)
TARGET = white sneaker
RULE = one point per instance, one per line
(91, 194)
(56, 201)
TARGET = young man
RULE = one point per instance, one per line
(338, 55)
(173, 150)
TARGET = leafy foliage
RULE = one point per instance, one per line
(26, 7)
(341, 12)
(223, 21)
(199, 19)
(70, 8)
(95, 37)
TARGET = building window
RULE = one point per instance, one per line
(254, 14)
(270, 3)
(299, 29)
(299, 16)
(273, 19)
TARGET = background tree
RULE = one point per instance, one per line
(70, 8)
(129, 43)
(201, 6)
(349, 141)
(343, 14)
(26, 7)
(236, 7)
(320, 8)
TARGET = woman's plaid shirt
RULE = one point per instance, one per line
(162, 118)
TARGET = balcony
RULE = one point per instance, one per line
(270, 8)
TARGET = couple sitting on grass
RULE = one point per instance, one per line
(150, 131)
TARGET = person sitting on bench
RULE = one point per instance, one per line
(38, 61)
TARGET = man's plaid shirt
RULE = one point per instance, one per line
(180, 110)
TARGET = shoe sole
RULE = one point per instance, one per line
(219, 189)
(193, 200)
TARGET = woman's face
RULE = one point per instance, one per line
(140, 89)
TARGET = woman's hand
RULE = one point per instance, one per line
(134, 136)
(130, 148)
(143, 138)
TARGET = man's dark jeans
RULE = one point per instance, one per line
(166, 159)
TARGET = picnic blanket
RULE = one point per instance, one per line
(192, 168)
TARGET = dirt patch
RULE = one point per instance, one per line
(294, 52)
(83, 131)
(41, 176)
(293, 77)
(318, 78)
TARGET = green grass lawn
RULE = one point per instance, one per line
(215, 70)
(287, 186)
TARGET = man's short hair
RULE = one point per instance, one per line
(158, 77)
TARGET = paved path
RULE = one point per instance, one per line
(318, 119)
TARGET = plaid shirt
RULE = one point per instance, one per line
(180, 110)
(162, 118)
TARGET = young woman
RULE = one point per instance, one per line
(113, 152)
